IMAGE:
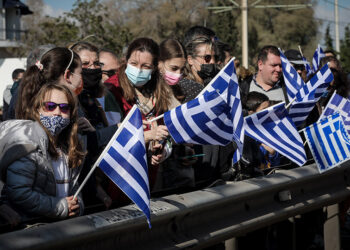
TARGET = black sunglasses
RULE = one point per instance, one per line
(51, 106)
(207, 58)
(300, 67)
(109, 73)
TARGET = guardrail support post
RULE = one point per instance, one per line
(332, 228)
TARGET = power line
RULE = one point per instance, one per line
(340, 6)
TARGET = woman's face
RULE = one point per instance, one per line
(75, 80)
(51, 108)
(205, 54)
(141, 59)
(89, 59)
(173, 65)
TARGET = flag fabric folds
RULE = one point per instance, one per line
(339, 104)
(274, 127)
(328, 142)
(316, 60)
(214, 117)
(205, 120)
(308, 69)
(309, 94)
(291, 77)
(124, 161)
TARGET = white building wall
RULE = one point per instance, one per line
(7, 66)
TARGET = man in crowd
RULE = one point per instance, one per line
(268, 80)
(17, 75)
(109, 63)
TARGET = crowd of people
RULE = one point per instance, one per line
(64, 108)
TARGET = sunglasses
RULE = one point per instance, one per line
(51, 106)
(207, 58)
(109, 73)
(299, 67)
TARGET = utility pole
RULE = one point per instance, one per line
(244, 9)
(336, 17)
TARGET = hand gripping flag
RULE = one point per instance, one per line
(275, 128)
(339, 104)
(291, 77)
(316, 60)
(124, 161)
(309, 94)
(328, 142)
(214, 117)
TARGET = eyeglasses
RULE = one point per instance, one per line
(109, 73)
(207, 58)
(88, 65)
(51, 106)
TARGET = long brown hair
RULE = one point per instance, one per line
(54, 65)
(159, 89)
(67, 140)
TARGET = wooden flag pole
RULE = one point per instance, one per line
(97, 162)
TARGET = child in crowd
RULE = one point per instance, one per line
(41, 157)
(256, 156)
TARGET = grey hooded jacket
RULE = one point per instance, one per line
(26, 170)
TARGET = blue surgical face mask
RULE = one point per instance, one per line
(55, 124)
(138, 77)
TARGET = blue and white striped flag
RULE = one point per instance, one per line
(205, 120)
(275, 128)
(226, 82)
(309, 94)
(339, 104)
(124, 161)
(327, 141)
(308, 69)
(291, 77)
(214, 117)
(316, 60)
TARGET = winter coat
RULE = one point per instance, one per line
(26, 170)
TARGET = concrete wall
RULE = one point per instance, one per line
(7, 66)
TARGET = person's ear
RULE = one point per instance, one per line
(190, 60)
(66, 76)
(160, 65)
(260, 64)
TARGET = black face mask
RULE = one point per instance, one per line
(208, 71)
(91, 78)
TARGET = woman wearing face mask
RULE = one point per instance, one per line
(41, 157)
(200, 66)
(138, 82)
(58, 65)
(177, 169)
(172, 59)
(96, 125)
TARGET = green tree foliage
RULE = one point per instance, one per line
(328, 39)
(114, 23)
(224, 25)
(345, 50)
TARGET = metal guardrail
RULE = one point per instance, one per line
(197, 219)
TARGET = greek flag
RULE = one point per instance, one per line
(205, 120)
(274, 127)
(309, 94)
(214, 117)
(124, 161)
(308, 69)
(339, 104)
(291, 77)
(316, 60)
(327, 141)
(227, 84)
